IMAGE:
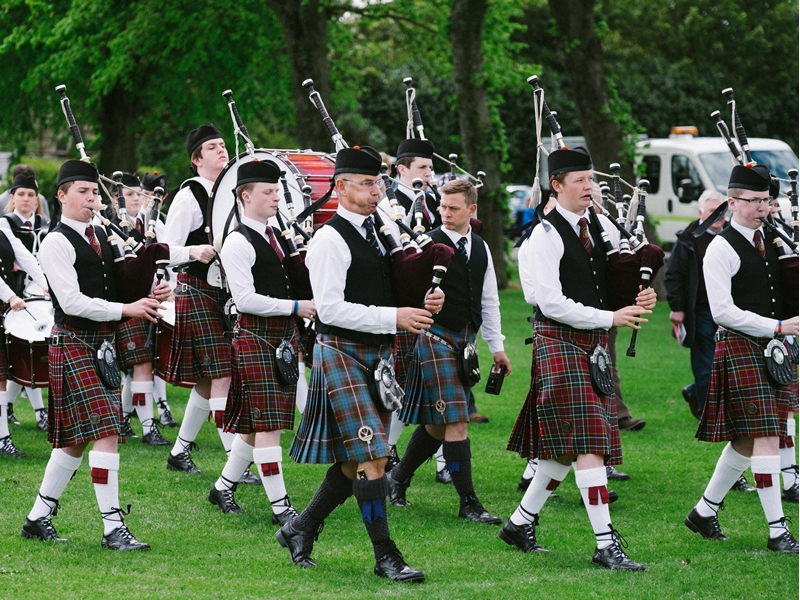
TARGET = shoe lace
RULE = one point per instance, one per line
(619, 542)
(285, 501)
(232, 485)
(188, 447)
(720, 506)
(119, 512)
(53, 503)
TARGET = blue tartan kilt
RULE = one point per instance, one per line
(435, 394)
(341, 422)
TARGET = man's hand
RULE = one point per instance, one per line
(146, 307)
(415, 320)
(629, 316)
(205, 253)
(434, 301)
(162, 291)
(16, 303)
(646, 298)
(790, 326)
(677, 317)
(501, 359)
(306, 309)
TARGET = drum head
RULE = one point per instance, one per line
(302, 167)
(33, 324)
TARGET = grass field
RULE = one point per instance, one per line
(200, 553)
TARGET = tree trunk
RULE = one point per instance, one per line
(479, 137)
(305, 29)
(118, 112)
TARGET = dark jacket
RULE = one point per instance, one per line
(682, 279)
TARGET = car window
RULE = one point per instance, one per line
(653, 172)
(683, 169)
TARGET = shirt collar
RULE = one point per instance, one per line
(354, 218)
(78, 226)
(255, 225)
(455, 236)
(571, 217)
(32, 218)
(747, 232)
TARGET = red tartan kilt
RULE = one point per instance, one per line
(5, 348)
(256, 399)
(199, 349)
(524, 437)
(572, 418)
(131, 338)
(80, 407)
(741, 402)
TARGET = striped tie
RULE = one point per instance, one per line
(274, 243)
(584, 235)
(371, 239)
(461, 246)
(93, 241)
(758, 242)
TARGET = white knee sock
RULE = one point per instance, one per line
(395, 429)
(730, 467)
(105, 477)
(440, 461)
(159, 388)
(217, 406)
(301, 396)
(766, 470)
(35, 396)
(196, 413)
(144, 412)
(239, 459)
(549, 474)
(12, 389)
(270, 468)
(788, 459)
(60, 469)
(127, 395)
(4, 415)
(593, 484)
(530, 468)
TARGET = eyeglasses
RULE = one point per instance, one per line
(752, 200)
(367, 183)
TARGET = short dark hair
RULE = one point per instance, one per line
(22, 169)
(405, 161)
(64, 187)
(197, 153)
(559, 177)
(245, 187)
(461, 186)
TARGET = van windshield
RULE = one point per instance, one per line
(718, 165)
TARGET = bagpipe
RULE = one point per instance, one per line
(418, 262)
(137, 265)
(788, 261)
(636, 262)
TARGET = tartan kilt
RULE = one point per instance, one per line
(740, 401)
(340, 407)
(81, 409)
(131, 337)
(571, 417)
(524, 437)
(434, 392)
(4, 353)
(256, 399)
(404, 343)
(199, 349)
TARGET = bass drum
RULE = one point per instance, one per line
(302, 167)
(26, 339)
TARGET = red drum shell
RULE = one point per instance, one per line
(26, 342)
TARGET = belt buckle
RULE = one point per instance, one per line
(55, 340)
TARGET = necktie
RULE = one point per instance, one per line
(29, 226)
(461, 247)
(139, 224)
(93, 241)
(584, 235)
(371, 239)
(758, 241)
(274, 243)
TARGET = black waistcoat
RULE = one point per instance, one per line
(198, 237)
(368, 282)
(430, 202)
(270, 277)
(96, 278)
(7, 264)
(462, 284)
(582, 276)
(757, 285)
(26, 237)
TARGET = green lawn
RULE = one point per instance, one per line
(200, 553)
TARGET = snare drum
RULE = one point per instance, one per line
(163, 341)
(26, 341)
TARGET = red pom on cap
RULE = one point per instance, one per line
(356, 147)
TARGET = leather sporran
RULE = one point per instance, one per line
(383, 387)
(600, 371)
(107, 367)
(287, 363)
(467, 362)
(229, 314)
(778, 364)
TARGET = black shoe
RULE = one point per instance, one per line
(224, 500)
(471, 508)
(614, 558)
(40, 529)
(165, 416)
(42, 419)
(521, 536)
(613, 496)
(524, 484)
(127, 431)
(613, 473)
(393, 566)
(299, 543)
(741, 485)
(12, 420)
(7, 448)
(791, 494)
(154, 438)
(444, 476)
(392, 460)
(182, 463)
(248, 478)
(708, 527)
(692, 401)
(123, 540)
(284, 517)
(397, 489)
(631, 424)
(783, 543)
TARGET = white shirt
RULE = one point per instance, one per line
(184, 215)
(542, 255)
(238, 256)
(490, 300)
(23, 259)
(328, 260)
(178, 254)
(411, 193)
(720, 264)
(57, 256)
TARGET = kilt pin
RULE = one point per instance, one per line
(131, 339)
